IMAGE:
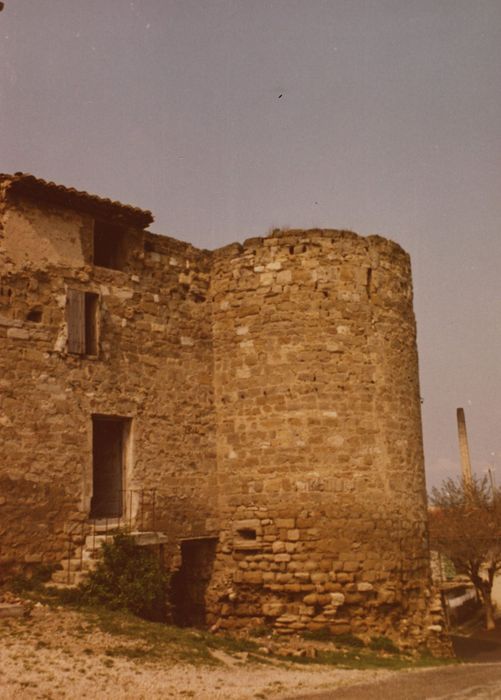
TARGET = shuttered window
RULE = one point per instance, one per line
(76, 321)
(82, 317)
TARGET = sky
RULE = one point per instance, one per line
(228, 118)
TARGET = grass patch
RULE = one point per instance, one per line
(325, 635)
(383, 644)
(366, 659)
(135, 653)
(261, 631)
(141, 640)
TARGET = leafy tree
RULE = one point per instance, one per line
(465, 526)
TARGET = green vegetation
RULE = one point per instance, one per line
(153, 641)
(130, 578)
(325, 635)
(383, 644)
(144, 641)
(24, 583)
(465, 527)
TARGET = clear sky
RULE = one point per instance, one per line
(230, 117)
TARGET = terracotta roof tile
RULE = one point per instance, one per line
(100, 207)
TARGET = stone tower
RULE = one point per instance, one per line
(266, 394)
(321, 487)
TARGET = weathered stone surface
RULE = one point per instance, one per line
(337, 598)
(273, 399)
(364, 587)
(273, 609)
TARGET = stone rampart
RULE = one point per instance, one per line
(320, 465)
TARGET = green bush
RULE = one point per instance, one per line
(26, 583)
(129, 577)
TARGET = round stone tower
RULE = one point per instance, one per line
(319, 448)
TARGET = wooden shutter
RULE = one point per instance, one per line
(76, 321)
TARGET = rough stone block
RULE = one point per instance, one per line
(18, 333)
(273, 609)
(364, 587)
(286, 523)
(337, 599)
(282, 557)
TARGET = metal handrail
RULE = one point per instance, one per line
(124, 522)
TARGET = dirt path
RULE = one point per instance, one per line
(468, 682)
(478, 679)
(61, 654)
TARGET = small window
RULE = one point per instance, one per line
(109, 245)
(34, 315)
(82, 311)
(247, 533)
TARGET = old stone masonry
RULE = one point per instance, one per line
(258, 405)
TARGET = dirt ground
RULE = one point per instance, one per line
(59, 653)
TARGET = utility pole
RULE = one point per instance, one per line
(463, 450)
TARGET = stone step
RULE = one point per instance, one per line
(105, 526)
(71, 564)
(59, 586)
(64, 577)
(95, 541)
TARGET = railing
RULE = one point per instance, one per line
(133, 510)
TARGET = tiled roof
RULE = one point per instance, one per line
(100, 207)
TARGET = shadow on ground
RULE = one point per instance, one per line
(480, 646)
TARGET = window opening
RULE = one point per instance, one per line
(109, 435)
(247, 533)
(34, 315)
(109, 245)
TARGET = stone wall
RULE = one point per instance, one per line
(272, 395)
(320, 464)
(154, 366)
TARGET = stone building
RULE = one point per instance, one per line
(264, 396)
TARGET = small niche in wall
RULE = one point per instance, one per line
(110, 245)
(6, 294)
(247, 533)
(35, 315)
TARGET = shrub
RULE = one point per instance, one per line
(129, 577)
(33, 581)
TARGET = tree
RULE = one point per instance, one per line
(465, 526)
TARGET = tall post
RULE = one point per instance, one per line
(463, 450)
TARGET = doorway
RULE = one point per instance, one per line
(109, 434)
(189, 584)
